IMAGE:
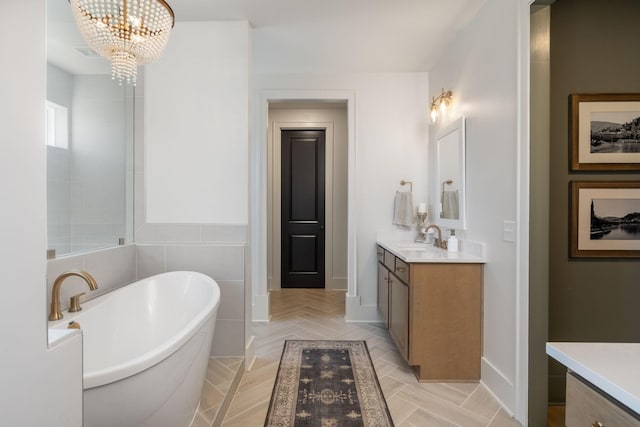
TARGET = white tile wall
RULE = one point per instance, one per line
(85, 183)
(151, 260)
(219, 262)
(116, 267)
(98, 160)
(58, 200)
(225, 263)
(112, 268)
(224, 233)
(232, 294)
(59, 90)
(228, 339)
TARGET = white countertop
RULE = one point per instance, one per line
(412, 252)
(612, 367)
(57, 336)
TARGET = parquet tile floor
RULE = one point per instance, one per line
(319, 314)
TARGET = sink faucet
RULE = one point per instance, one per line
(438, 240)
(55, 313)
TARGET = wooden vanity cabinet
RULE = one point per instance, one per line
(383, 293)
(399, 314)
(587, 406)
(434, 313)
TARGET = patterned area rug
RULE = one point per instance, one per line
(327, 384)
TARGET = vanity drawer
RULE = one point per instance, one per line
(402, 270)
(380, 254)
(588, 407)
(389, 260)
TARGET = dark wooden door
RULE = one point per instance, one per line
(303, 185)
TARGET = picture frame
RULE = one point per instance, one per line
(605, 219)
(604, 132)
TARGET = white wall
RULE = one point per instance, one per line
(196, 132)
(481, 68)
(38, 386)
(192, 171)
(391, 145)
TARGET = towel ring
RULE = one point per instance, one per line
(403, 182)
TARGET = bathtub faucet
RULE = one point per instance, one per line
(55, 312)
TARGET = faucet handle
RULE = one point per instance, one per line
(74, 303)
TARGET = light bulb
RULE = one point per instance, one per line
(434, 113)
(443, 107)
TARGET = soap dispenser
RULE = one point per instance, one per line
(452, 243)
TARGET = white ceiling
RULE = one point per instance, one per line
(318, 36)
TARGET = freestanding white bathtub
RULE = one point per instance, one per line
(145, 350)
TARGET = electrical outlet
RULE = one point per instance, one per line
(509, 231)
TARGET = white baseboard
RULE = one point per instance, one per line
(499, 385)
(356, 312)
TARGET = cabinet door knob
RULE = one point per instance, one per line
(597, 424)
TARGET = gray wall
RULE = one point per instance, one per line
(593, 49)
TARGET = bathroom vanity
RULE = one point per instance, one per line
(603, 383)
(431, 302)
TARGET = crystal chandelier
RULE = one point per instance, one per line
(127, 32)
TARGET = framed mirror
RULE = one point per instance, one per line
(450, 176)
(89, 122)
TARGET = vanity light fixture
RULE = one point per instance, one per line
(127, 32)
(440, 104)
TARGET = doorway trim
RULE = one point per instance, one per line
(275, 244)
(522, 208)
(258, 194)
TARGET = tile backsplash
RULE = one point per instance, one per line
(225, 263)
(112, 268)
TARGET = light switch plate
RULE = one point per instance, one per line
(509, 231)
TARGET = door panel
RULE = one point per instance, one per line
(304, 251)
(303, 204)
(304, 182)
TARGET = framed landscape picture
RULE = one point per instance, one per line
(605, 219)
(604, 132)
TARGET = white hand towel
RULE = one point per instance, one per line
(403, 209)
(450, 205)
